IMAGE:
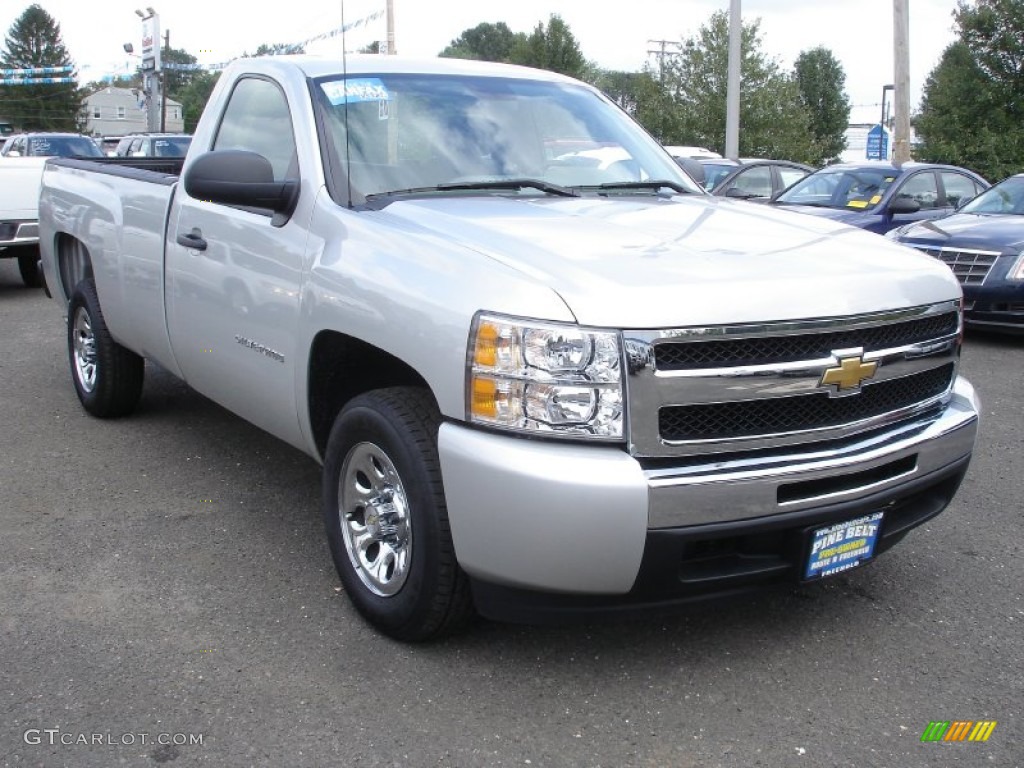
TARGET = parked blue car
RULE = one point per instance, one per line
(878, 196)
(983, 243)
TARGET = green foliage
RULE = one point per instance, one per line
(773, 119)
(485, 42)
(972, 111)
(279, 49)
(552, 47)
(194, 96)
(820, 79)
(177, 80)
(34, 40)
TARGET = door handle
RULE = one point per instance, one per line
(193, 240)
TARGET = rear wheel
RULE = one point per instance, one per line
(107, 376)
(28, 265)
(386, 519)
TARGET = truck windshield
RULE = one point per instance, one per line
(450, 134)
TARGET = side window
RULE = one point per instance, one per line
(922, 188)
(959, 188)
(257, 119)
(790, 176)
(136, 150)
(754, 182)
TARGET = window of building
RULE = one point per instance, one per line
(120, 113)
(97, 113)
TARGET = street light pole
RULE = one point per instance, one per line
(163, 86)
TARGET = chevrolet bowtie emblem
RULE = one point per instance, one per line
(848, 375)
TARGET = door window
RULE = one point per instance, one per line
(257, 120)
(922, 188)
(959, 188)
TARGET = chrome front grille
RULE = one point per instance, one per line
(783, 349)
(784, 415)
(696, 391)
(971, 267)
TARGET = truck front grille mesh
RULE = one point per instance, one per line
(722, 421)
(675, 356)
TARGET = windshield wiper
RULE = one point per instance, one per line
(614, 186)
(483, 184)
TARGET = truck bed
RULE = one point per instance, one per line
(156, 169)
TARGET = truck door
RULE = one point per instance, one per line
(233, 276)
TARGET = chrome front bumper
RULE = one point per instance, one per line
(572, 518)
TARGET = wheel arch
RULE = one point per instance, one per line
(342, 367)
(74, 264)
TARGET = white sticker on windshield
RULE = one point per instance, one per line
(355, 91)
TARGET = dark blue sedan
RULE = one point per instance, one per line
(984, 245)
(878, 196)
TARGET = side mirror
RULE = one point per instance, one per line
(904, 205)
(241, 178)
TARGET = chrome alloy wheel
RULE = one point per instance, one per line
(84, 350)
(374, 514)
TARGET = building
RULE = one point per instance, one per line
(114, 111)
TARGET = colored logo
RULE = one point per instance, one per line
(958, 730)
(848, 375)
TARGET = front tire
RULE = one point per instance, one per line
(107, 376)
(386, 519)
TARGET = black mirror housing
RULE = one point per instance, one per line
(242, 178)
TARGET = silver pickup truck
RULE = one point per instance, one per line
(545, 374)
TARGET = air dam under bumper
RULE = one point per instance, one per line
(588, 520)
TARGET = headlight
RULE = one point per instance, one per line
(1017, 270)
(544, 378)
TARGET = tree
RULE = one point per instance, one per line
(278, 49)
(34, 40)
(485, 42)
(552, 47)
(773, 120)
(179, 69)
(820, 79)
(972, 110)
(194, 97)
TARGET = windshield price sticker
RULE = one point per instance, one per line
(355, 91)
(843, 546)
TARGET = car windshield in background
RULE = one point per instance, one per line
(62, 146)
(1005, 197)
(171, 147)
(715, 172)
(858, 189)
(415, 133)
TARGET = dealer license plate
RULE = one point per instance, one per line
(842, 546)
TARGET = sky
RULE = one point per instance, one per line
(858, 32)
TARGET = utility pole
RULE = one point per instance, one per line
(732, 102)
(662, 53)
(901, 94)
(163, 86)
(391, 27)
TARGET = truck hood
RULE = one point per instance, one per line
(657, 262)
(969, 230)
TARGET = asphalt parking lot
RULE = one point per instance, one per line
(167, 596)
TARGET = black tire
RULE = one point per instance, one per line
(107, 376)
(425, 595)
(28, 265)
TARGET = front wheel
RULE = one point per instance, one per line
(107, 376)
(386, 519)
